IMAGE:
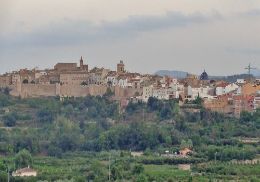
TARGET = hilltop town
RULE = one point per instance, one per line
(71, 80)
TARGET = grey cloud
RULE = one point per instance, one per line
(83, 32)
(245, 51)
(254, 12)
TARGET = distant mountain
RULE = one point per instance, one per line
(173, 73)
(231, 78)
(256, 73)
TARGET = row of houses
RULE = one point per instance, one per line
(218, 96)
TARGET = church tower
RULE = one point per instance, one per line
(81, 62)
(82, 66)
(120, 67)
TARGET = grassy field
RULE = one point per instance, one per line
(66, 130)
(164, 172)
(81, 167)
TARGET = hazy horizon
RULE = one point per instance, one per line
(220, 36)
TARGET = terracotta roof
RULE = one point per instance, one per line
(185, 151)
(241, 97)
(25, 170)
(112, 73)
(223, 84)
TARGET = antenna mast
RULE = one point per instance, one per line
(249, 68)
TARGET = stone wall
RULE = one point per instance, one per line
(126, 92)
(96, 90)
(40, 90)
(5, 81)
(37, 90)
(82, 91)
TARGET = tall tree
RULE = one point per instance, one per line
(23, 159)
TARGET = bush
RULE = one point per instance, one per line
(141, 178)
(171, 161)
(54, 151)
(138, 169)
(3, 176)
(23, 159)
(45, 115)
(229, 153)
(10, 120)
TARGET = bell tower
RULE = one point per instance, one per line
(120, 67)
(81, 62)
(82, 66)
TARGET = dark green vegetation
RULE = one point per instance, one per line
(73, 139)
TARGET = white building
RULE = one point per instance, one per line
(25, 172)
(231, 87)
(171, 92)
(226, 88)
(112, 80)
(239, 90)
(240, 81)
(147, 92)
(256, 101)
(220, 90)
(123, 83)
(94, 78)
(161, 94)
(203, 92)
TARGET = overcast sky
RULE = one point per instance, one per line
(220, 36)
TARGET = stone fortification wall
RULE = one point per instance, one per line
(37, 90)
(127, 92)
(40, 90)
(5, 81)
(96, 90)
(82, 91)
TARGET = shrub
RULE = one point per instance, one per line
(10, 120)
(138, 169)
(45, 115)
(23, 159)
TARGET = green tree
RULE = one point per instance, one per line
(54, 151)
(186, 144)
(45, 115)
(23, 159)
(116, 172)
(245, 117)
(154, 104)
(66, 134)
(141, 178)
(6, 91)
(198, 101)
(10, 120)
(138, 169)
(165, 113)
(4, 100)
(3, 176)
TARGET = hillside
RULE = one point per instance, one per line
(75, 138)
(172, 73)
(230, 78)
(256, 73)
